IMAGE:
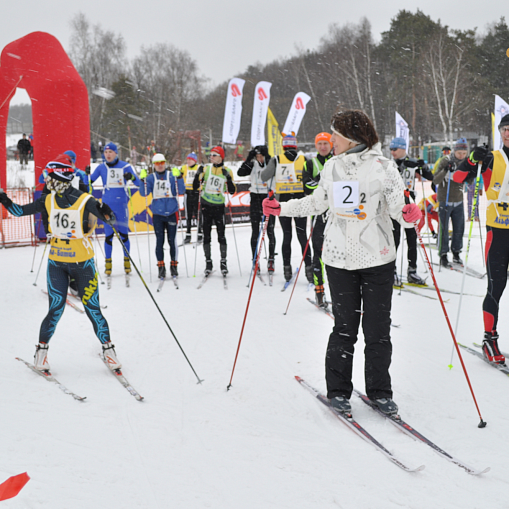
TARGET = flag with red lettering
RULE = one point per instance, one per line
(233, 111)
(296, 114)
(13, 485)
(260, 107)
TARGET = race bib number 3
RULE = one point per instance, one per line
(346, 194)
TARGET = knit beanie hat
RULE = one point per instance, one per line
(218, 150)
(60, 168)
(398, 142)
(111, 146)
(289, 140)
(323, 137)
(192, 156)
(461, 144)
(504, 121)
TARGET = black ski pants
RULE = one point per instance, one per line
(192, 200)
(356, 294)
(256, 214)
(317, 240)
(300, 227)
(497, 262)
(411, 240)
(213, 214)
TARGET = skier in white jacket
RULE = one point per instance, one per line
(363, 190)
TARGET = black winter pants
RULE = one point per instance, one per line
(300, 227)
(256, 214)
(353, 292)
(213, 214)
(411, 240)
(192, 198)
(317, 240)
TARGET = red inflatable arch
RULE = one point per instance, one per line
(39, 64)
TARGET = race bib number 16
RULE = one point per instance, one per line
(346, 194)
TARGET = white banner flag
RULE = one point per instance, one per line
(501, 109)
(402, 130)
(296, 114)
(260, 107)
(233, 111)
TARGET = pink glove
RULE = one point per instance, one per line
(271, 207)
(411, 213)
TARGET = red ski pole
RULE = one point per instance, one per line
(266, 223)
(482, 424)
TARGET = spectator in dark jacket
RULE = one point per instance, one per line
(24, 147)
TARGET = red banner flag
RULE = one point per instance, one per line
(13, 485)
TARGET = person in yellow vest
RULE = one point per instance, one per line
(495, 172)
(192, 197)
(214, 181)
(72, 219)
(285, 175)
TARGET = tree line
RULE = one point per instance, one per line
(441, 80)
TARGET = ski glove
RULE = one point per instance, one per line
(478, 154)
(106, 211)
(87, 170)
(128, 176)
(271, 207)
(410, 164)
(251, 155)
(143, 174)
(411, 213)
(226, 173)
(176, 173)
(5, 200)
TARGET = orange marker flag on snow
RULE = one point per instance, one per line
(13, 485)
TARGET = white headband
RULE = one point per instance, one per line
(343, 136)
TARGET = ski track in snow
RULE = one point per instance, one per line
(265, 443)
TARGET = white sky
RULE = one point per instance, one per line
(226, 37)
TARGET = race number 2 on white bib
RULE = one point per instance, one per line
(346, 194)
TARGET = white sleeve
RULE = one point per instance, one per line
(311, 205)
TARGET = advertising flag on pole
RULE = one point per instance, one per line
(260, 107)
(233, 111)
(402, 130)
(501, 109)
(274, 138)
(296, 114)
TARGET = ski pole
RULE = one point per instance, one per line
(445, 227)
(157, 306)
(234, 237)
(42, 258)
(301, 262)
(134, 224)
(427, 220)
(148, 231)
(36, 243)
(247, 307)
(183, 243)
(256, 251)
(401, 242)
(482, 424)
(197, 232)
(472, 214)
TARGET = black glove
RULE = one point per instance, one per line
(251, 155)
(200, 170)
(226, 173)
(106, 211)
(87, 170)
(478, 154)
(451, 167)
(128, 176)
(410, 164)
(420, 163)
(5, 200)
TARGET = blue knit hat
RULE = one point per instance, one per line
(192, 156)
(397, 143)
(111, 146)
(461, 144)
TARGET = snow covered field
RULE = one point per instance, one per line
(267, 443)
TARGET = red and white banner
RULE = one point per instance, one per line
(296, 114)
(402, 130)
(233, 111)
(260, 107)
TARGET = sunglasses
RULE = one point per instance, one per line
(215, 155)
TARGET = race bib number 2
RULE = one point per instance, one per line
(346, 194)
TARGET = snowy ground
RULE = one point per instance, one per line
(264, 444)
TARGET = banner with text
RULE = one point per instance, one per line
(501, 109)
(402, 130)
(233, 111)
(260, 107)
(274, 138)
(296, 114)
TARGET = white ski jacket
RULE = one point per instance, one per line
(363, 191)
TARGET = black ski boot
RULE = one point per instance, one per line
(414, 278)
(341, 404)
(490, 348)
(224, 267)
(173, 268)
(444, 262)
(161, 270)
(270, 265)
(386, 405)
(208, 259)
(309, 274)
(287, 270)
(456, 259)
(320, 296)
(187, 240)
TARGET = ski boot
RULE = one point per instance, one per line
(224, 267)
(456, 259)
(41, 357)
(208, 259)
(199, 238)
(341, 404)
(287, 270)
(110, 356)
(386, 405)
(270, 265)
(490, 348)
(309, 274)
(187, 239)
(173, 268)
(444, 262)
(320, 296)
(208, 267)
(161, 270)
(127, 265)
(414, 278)
(107, 270)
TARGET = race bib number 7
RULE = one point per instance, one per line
(346, 194)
